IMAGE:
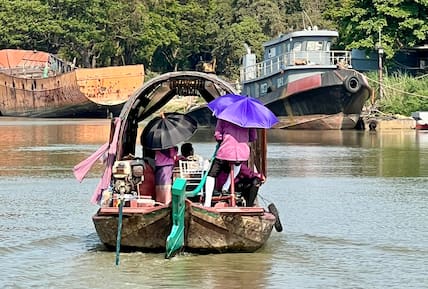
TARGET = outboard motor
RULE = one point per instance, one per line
(132, 178)
(127, 174)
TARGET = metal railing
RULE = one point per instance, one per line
(292, 59)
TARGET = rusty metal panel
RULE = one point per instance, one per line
(110, 85)
(82, 91)
(11, 58)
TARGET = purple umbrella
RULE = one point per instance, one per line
(242, 110)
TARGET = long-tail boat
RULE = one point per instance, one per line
(130, 218)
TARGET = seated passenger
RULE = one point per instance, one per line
(247, 182)
(188, 153)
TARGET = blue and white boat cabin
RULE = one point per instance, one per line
(300, 50)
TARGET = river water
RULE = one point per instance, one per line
(354, 206)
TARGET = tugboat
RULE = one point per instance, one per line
(306, 85)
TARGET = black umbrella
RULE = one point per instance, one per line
(167, 130)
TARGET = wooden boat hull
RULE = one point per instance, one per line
(207, 229)
(88, 93)
(228, 230)
(143, 229)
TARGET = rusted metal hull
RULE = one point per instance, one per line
(319, 121)
(96, 93)
(325, 100)
(235, 229)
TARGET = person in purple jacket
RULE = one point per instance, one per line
(233, 149)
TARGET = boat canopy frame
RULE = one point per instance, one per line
(157, 92)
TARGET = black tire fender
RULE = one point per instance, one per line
(273, 210)
(352, 84)
(372, 125)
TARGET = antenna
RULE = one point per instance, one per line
(303, 21)
(247, 48)
(307, 17)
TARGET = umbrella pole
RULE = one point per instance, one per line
(232, 187)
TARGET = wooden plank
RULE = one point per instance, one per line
(129, 210)
(250, 211)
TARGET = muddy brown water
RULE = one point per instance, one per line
(354, 207)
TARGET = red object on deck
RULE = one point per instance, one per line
(147, 187)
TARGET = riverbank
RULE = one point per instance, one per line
(375, 123)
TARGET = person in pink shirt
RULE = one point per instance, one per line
(164, 165)
(233, 149)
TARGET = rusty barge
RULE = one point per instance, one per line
(37, 84)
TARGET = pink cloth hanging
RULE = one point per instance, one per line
(81, 169)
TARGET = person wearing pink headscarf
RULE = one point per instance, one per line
(233, 149)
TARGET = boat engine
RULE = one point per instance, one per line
(127, 174)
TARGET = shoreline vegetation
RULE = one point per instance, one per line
(401, 94)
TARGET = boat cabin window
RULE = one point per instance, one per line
(263, 88)
(314, 46)
(271, 52)
(297, 46)
(279, 82)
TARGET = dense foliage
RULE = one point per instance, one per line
(401, 94)
(167, 35)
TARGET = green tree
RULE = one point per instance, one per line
(267, 14)
(232, 45)
(159, 36)
(28, 25)
(400, 23)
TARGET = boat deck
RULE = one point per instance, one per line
(244, 211)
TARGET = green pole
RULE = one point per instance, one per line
(119, 228)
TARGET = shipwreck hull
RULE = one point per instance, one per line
(145, 230)
(228, 230)
(92, 93)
